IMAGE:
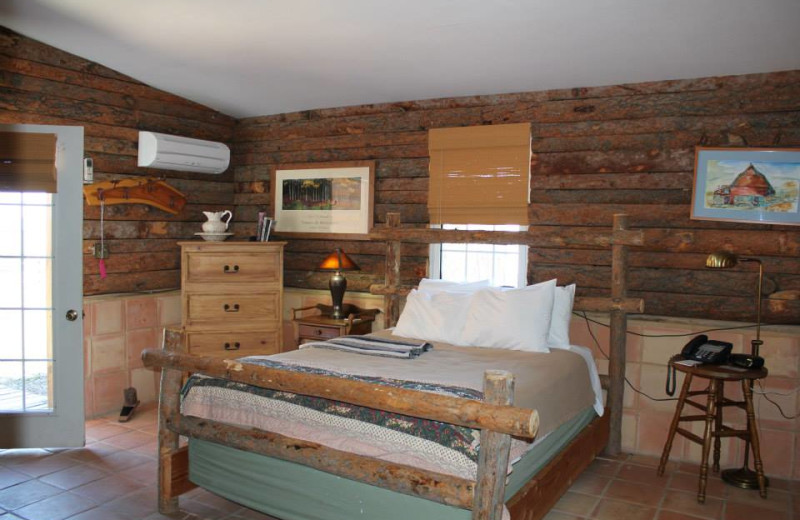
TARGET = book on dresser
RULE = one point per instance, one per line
(232, 297)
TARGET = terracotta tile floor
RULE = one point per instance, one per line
(113, 478)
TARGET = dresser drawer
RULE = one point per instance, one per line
(233, 344)
(232, 307)
(318, 331)
(262, 267)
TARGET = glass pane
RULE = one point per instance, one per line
(37, 335)
(479, 266)
(454, 267)
(37, 384)
(36, 230)
(11, 282)
(11, 325)
(479, 247)
(37, 282)
(505, 269)
(37, 198)
(10, 197)
(10, 386)
(454, 247)
(10, 230)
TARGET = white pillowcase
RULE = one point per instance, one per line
(433, 316)
(432, 285)
(563, 299)
(515, 319)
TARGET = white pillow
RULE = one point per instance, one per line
(438, 316)
(433, 285)
(563, 299)
(515, 319)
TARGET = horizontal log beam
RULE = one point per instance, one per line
(538, 236)
(385, 290)
(454, 410)
(595, 304)
(445, 489)
(582, 303)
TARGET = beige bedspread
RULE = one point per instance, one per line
(557, 384)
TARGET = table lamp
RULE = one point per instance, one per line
(742, 477)
(338, 261)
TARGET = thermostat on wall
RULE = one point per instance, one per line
(88, 170)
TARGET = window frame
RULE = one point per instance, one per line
(435, 254)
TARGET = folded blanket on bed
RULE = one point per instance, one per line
(374, 346)
(445, 446)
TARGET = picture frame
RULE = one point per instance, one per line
(317, 200)
(751, 185)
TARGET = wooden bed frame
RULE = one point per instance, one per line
(495, 416)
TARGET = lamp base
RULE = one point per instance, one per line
(744, 478)
(337, 285)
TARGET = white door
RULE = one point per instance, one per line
(41, 301)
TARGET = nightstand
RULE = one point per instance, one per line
(320, 326)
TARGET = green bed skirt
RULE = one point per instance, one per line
(291, 491)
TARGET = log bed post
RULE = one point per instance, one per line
(619, 326)
(391, 302)
(498, 388)
(173, 463)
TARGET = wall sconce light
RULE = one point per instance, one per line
(338, 261)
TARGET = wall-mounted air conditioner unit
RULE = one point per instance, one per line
(171, 152)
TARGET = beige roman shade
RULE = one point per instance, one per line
(27, 162)
(480, 174)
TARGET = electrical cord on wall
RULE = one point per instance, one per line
(681, 335)
(766, 395)
(597, 343)
(760, 392)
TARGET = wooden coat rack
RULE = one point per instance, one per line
(153, 192)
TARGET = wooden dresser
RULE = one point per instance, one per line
(232, 297)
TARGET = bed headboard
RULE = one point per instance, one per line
(619, 238)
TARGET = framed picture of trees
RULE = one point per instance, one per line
(324, 198)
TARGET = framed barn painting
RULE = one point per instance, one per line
(755, 185)
(317, 200)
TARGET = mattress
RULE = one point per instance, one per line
(291, 491)
(558, 385)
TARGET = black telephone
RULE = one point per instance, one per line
(707, 350)
(704, 350)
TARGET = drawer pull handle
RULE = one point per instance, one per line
(231, 308)
(235, 346)
(228, 270)
(319, 332)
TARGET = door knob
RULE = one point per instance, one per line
(72, 315)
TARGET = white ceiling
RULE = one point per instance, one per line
(258, 57)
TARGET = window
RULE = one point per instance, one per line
(25, 303)
(480, 180)
(502, 265)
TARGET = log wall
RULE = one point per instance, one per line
(596, 151)
(40, 84)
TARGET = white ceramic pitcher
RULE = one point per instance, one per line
(215, 224)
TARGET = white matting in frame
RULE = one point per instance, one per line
(324, 198)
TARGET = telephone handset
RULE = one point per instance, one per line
(701, 349)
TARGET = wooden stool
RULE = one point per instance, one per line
(715, 402)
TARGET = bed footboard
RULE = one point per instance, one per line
(497, 419)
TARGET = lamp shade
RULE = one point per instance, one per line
(338, 261)
(721, 260)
